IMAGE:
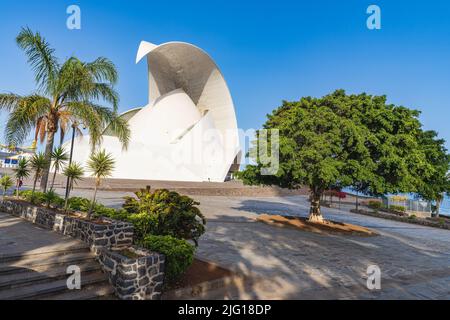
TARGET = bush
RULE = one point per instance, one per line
(179, 254)
(51, 198)
(78, 204)
(397, 208)
(375, 204)
(37, 198)
(165, 213)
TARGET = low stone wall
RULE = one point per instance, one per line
(420, 221)
(138, 278)
(110, 234)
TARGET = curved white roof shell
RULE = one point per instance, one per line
(188, 131)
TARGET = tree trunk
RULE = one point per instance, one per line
(35, 181)
(93, 200)
(48, 157)
(67, 198)
(53, 180)
(315, 214)
(17, 188)
(438, 205)
(357, 202)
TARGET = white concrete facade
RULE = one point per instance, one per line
(188, 130)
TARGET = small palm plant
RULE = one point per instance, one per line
(59, 157)
(101, 165)
(6, 182)
(38, 163)
(74, 172)
(21, 172)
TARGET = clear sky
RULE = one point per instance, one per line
(267, 50)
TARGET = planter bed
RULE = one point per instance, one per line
(101, 233)
(390, 216)
(204, 280)
(135, 273)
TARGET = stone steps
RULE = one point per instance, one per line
(95, 292)
(41, 274)
(29, 262)
(40, 290)
(43, 254)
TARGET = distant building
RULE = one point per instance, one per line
(188, 130)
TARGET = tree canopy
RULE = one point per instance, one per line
(343, 140)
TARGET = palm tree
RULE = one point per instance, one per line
(38, 163)
(101, 165)
(74, 172)
(68, 93)
(20, 172)
(59, 157)
(6, 182)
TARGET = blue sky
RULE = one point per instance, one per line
(267, 50)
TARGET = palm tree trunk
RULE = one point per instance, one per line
(93, 201)
(53, 180)
(35, 182)
(48, 157)
(17, 188)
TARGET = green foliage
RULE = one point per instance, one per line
(59, 157)
(375, 204)
(437, 184)
(179, 253)
(74, 172)
(70, 91)
(101, 165)
(35, 197)
(342, 140)
(165, 213)
(38, 163)
(397, 208)
(52, 198)
(6, 182)
(79, 204)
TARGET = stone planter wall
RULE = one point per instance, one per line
(134, 278)
(112, 234)
(420, 221)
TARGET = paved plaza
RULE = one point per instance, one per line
(291, 264)
(414, 260)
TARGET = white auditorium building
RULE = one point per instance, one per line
(187, 131)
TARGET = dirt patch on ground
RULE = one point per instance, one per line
(327, 227)
(199, 272)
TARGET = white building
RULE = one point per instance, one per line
(188, 130)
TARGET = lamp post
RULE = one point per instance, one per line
(74, 127)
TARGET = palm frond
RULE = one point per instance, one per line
(25, 117)
(40, 56)
(103, 70)
(9, 101)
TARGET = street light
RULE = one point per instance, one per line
(74, 129)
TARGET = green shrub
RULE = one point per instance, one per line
(78, 204)
(397, 208)
(36, 198)
(165, 213)
(375, 204)
(179, 254)
(52, 198)
(412, 217)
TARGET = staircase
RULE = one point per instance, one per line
(42, 276)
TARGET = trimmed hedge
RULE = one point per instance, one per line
(179, 254)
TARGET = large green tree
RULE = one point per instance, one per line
(68, 93)
(343, 140)
(435, 186)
